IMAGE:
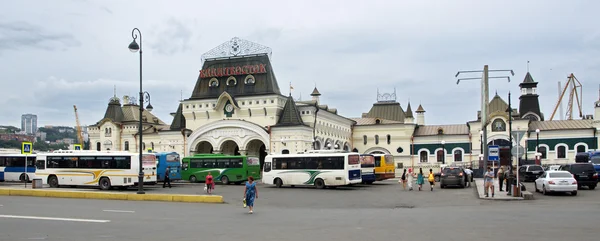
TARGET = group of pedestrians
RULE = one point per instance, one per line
(407, 178)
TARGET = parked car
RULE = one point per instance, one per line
(584, 173)
(453, 176)
(556, 181)
(595, 160)
(530, 172)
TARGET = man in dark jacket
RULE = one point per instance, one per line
(167, 179)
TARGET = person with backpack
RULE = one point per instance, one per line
(431, 179)
(403, 179)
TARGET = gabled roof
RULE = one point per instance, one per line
(432, 130)
(131, 113)
(373, 121)
(528, 78)
(408, 111)
(290, 115)
(561, 125)
(386, 110)
(178, 120)
(497, 104)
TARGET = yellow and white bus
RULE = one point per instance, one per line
(104, 169)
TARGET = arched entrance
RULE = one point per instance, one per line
(256, 148)
(505, 156)
(203, 147)
(229, 147)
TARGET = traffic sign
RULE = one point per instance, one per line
(77, 147)
(26, 148)
(493, 153)
(518, 135)
(518, 151)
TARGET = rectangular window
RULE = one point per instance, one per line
(237, 163)
(353, 160)
(377, 161)
(389, 160)
(40, 164)
(2, 161)
(267, 167)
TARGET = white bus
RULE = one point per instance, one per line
(12, 167)
(318, 168)
(104, 169)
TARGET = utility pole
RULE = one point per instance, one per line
(484, 101)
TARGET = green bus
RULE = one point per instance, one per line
(224, 168)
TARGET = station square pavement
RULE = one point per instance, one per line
(382, 211)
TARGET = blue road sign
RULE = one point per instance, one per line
(26, 148)
(494, 153)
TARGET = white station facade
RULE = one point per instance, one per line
(237, 108)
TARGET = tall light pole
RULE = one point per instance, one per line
(484, 100)
(134, 47)
(443, 152)
(537, 145)
(509, 110)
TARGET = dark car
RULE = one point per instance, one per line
(584, 173)
(530, 172)
(453, 176)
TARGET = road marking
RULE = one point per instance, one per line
(118, 211)
(56, 219)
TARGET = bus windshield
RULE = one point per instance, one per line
(389, 160)
(172, 157)
(367, 161)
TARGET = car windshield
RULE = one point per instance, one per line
(535, 168)
(578, 168)
(560, 175)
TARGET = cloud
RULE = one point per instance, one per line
(174, 37)
(22, 35)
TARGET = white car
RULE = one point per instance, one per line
(556, 181)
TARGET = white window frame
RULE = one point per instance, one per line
(462, 151)
(427, 156)
(566, 151)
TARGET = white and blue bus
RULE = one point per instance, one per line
(367, 167)
(171, 160)
(319, 168)
(12, 167)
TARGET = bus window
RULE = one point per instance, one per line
(267, 167)
(172, 158)
(377, 161)
(40, 164)
(389, 160)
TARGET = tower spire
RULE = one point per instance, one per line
(527, 66)
(115, 90)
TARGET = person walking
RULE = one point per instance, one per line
(210, 183)
(489, 182)
(250, 193)
(167, 179)
(500, 178)
(403, 179)
(431, 179)
(409, 179)
(420, 178)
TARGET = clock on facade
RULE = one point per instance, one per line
(229, 108)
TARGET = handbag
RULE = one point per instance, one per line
(205, 187)
(244, 202)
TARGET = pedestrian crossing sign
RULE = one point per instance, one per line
(149, 150)
(26, 148)
(77, 147)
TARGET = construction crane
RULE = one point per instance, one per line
(79, 132)
(575, 93)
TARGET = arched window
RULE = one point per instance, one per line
(378, 121)
(285, 151)
(458, 155)
(98, 146)
(440, 131)
(561, 152)
(580, 148)
(498, 125)
(376, 139)
(440, 155)
(365, 139)
(152, 145)
(423, 156)
(544, 151)
(389, 139)
(127, 145)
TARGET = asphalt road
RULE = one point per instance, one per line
(378, 212)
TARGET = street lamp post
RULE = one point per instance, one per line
(134, 47)
(443, 152)
(537, 144)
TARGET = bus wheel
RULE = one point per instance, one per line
(278, 183)
(53, 181)
(319, 184)
(225, 180)
(24, 177)
(193, 179)
(104, 183)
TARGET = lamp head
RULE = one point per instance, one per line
(537, 130)
(133, 46)
(149, 107)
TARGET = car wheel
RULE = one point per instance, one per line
(319, 184)
(592, 187)
(544, 190)
(278, 183)
(104, 183)
(53, 181)
(193, 179)
(574, 193)
(437, 179)
(225, 180)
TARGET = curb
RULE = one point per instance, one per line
(494, 199)
(113, 196)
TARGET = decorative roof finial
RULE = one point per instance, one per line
(115, 91)
(527, 66)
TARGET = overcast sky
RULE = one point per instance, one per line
(56, 54)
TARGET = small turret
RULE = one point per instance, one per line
(315, 95)
(408, 115)
(420, 115)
